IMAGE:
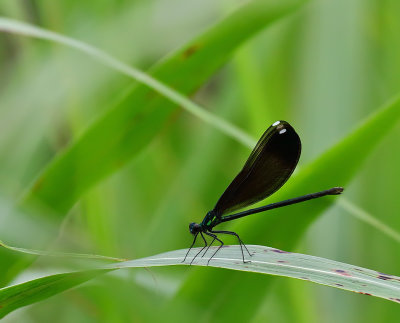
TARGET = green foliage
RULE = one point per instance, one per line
(263, 260)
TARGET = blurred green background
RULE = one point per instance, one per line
(323, 68)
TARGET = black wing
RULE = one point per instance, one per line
(268, 167)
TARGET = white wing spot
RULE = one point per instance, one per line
(282, 131)
(276, 123)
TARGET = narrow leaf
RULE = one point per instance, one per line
(368, 218)
(265, 260)
(58, 254)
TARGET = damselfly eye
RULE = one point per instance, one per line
(194, 228)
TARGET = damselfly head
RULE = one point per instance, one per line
(194, 228)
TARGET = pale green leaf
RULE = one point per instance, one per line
(264, 260)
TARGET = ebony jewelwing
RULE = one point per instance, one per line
(268, 167)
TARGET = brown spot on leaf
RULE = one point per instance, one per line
(279, 251)
(38, 184)
(190, 51)
(342, 272)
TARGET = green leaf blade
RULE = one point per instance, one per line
(265, 260)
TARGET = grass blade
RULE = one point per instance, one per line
(265, 260)
(58, 254)
(364, 216)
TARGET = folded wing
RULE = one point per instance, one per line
(268, 167)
